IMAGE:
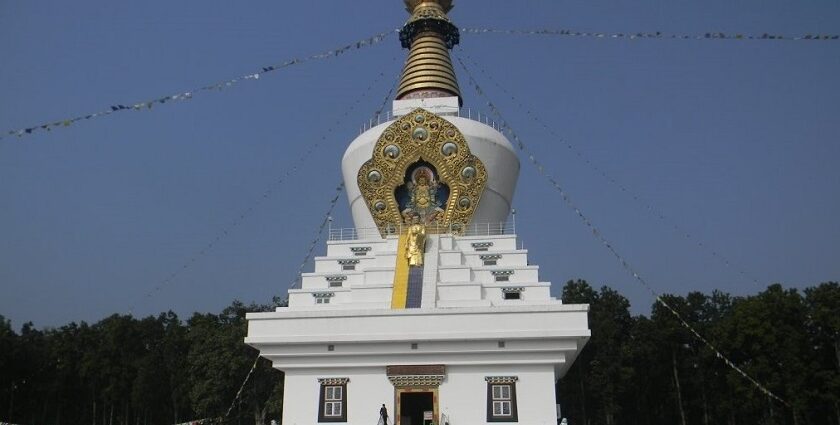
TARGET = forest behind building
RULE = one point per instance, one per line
(635, 369)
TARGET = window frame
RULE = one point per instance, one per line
(327, 384)
(492, 401)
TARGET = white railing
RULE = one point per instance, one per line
(474, 229)
(447, 111)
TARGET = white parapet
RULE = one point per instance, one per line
(532, 334)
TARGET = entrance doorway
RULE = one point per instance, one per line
(414, 407)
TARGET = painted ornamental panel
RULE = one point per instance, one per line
(422, 172)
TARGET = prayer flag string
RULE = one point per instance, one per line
(223, 419)
(242, 387)
(266, 194)
(187, 95)
(679, 230)
(205, 421)
(652, 35)
(328, 216)
(598, 235)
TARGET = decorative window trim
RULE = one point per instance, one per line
(333, 381)
(335, 281)
(360, 250)
(502, 275)
(348, 262)
(513, 289)
(501, 381)
(481, 246)
(490, 259)
(341, 402)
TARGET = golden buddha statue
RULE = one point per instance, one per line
(416, 243)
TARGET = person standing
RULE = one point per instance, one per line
(383, 415)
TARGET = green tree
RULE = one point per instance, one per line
(596, 380)
(218, 360)
(823, 303)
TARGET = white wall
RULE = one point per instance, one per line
(462, 394)
(367, 390)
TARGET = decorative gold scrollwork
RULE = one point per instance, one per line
(422, 136)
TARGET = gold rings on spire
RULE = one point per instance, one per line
(444, 5)
(429, 34)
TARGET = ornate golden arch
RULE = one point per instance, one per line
(422, 135)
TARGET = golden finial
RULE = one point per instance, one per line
(429, 34)
(410, 5)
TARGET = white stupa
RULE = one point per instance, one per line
(426, 307)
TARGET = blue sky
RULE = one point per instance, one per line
(735, 142)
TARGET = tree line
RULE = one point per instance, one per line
(635, 369)
(651, 370)
(129, 371)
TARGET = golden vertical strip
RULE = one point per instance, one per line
(400, 292)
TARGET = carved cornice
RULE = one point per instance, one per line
(501, 379)
(436, 369)
(333, 381)
(416, 380)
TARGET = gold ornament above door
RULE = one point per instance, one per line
(422, 172)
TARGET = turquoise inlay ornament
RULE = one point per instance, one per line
(374, 176)
(392, 151)
(420, 134)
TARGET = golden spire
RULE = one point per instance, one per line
(429, 34)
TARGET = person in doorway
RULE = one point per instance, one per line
(383, 415)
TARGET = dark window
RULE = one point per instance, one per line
(501, 402)
(348, 267)
(333, 405)
(513, 295)
(502, 278)
(489, 262)
(335, 284)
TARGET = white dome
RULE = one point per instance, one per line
(489, 145)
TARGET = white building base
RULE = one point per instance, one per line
(450, 354)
